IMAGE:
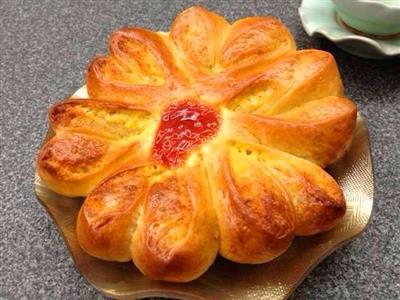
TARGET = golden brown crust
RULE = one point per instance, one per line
(292, 80)
(75, 151)
(255, 217)
(255, 40)
(106, 119)
(72, 164)
(109, 214)
(209, 45)
(319, 130)
(162, 219)
(247, 191)
(198, 35)
(177, 235)
(229, 53)
(316, 198)
(92, 140)
(147, 68)
(140, 69)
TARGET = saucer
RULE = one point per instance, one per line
(319, 18)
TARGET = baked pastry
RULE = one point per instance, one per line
(208, 139)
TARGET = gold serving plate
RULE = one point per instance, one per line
(274, 280)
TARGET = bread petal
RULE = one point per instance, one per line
(255, 40)
(198, 34)
(139, 70)
(108, 217)
(177, 235)
(92, 140)
(319, 131)
(256, 218)
(290, 81)
(317, 199)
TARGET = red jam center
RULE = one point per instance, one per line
(183, 126)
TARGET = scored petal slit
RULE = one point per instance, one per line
(92, 140)
(207, 139)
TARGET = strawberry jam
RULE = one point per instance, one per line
(183, 126)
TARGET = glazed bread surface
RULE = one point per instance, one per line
(244, 192)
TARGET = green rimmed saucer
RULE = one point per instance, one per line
(319, 18)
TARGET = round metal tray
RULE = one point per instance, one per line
(227, 280)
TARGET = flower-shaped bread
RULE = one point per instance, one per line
(210, 138)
